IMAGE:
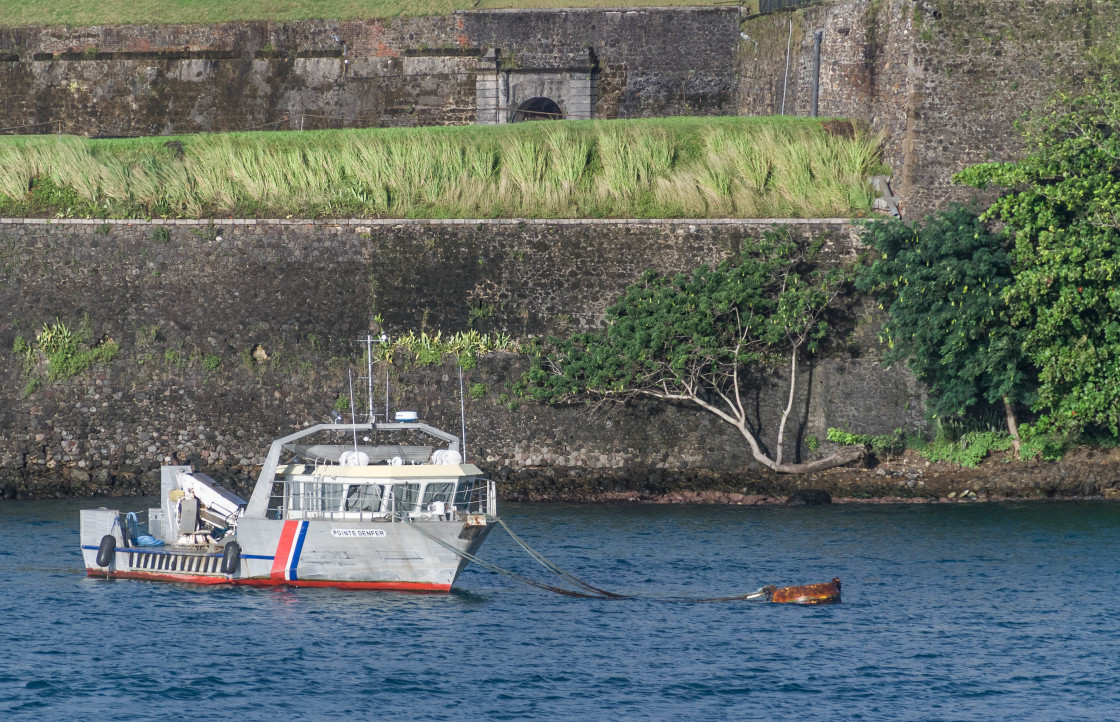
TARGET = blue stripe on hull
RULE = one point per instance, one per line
(297, 551)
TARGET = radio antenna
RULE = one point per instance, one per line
(369, 340)
(384, 340)
(463, 414)
(353, 411)
(369, 375)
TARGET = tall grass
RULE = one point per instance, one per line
(674, 167)
(769, 170)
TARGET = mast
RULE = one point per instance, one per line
(369, 374)
(463, 414)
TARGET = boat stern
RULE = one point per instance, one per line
(96, 526)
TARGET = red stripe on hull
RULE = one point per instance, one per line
(389, 586)
(157, 577)
(283, 550)
(271, 582)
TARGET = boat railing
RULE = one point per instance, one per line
(303, 499)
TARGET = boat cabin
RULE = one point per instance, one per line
(376, 493)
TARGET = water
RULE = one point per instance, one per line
(974, 611)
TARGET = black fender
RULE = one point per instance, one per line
(231, 558)
(106, 551)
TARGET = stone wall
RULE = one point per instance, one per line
(944, 81)
(298, 294)
(978, 68)
(148, 80)
(526, 277)
(651, 61)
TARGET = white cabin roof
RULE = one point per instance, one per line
(383, 471)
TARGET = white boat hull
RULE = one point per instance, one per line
(310, 553)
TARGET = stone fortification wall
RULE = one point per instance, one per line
(978, 68)
(232, 333)
(651, 61)
(944, 81)
(147, 80)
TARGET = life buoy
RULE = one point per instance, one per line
(107, 551)
(231, 558)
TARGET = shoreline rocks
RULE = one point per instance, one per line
(1083, 473)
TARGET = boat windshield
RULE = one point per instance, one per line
(437, 492)
(406, 496)
(312, 497)
(364, 497)
(469, 494)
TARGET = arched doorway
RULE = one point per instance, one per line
(538, 109)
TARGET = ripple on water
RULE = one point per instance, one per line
(950, 612)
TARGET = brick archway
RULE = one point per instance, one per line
(539, 108)
(544, 88)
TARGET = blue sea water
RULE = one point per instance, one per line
(970, 611)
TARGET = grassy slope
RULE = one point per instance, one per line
(665, 167)
(14, 13)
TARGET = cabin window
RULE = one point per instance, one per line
(465, 494)
(364, 497)
(407, 495)
(332, 496)
(315, 496)
(437, 492)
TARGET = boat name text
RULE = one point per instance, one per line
(358, 532)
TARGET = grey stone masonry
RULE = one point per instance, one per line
(409, 71)
(232, 331)
(943, 80)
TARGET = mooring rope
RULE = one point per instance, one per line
(593, 591)
(507, 572)
(555, 569)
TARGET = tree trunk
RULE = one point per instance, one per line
(737, 418)
(1012, 425)
(843, 457)
(789, 407)
(846, 455)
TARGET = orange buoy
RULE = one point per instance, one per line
(826, 593)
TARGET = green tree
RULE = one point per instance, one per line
(942, 283)
(702, 339)
(1062, 209)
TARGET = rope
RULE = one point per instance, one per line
(555, 569)
(593, 591)
(507, 572)
(612, 595)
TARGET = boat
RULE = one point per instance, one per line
(336, 513)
